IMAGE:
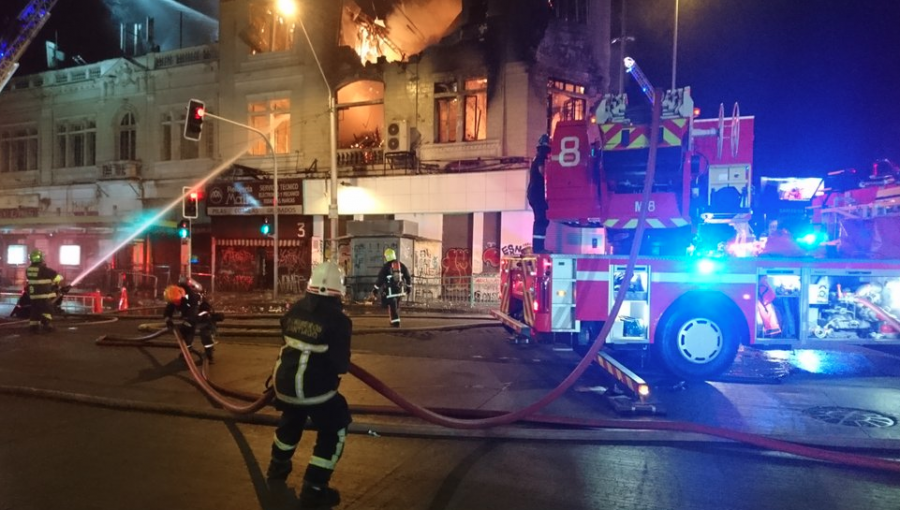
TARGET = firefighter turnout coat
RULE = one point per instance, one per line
(315, 353)
(42, 281)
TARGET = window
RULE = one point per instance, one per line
(127, 150)
(76, 143)
(15, 254)
(18, 149)
(566, 101)
(70, 255)
(575, 11)
(172, 144)
(264, 114)
(268, 31)
(460, 112)
(361, 115)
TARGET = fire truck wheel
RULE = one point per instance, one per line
(697, 347)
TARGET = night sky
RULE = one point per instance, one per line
(822, 77)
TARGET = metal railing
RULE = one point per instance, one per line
(474, 291)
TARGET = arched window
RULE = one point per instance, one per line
(127, 133)
(361, 115)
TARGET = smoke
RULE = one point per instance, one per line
(176, 23)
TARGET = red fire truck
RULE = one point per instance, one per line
(691, 312)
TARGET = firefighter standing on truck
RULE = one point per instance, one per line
(42, 283)
(392, 284)
(316, 351)
(537, 197)
(197, 314)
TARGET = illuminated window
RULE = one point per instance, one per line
(567, 101)
(267, 31)
(15, 254)
(70, 255)
(264, 114)
(127, 133)
(18, 149)
(460, 112)
(360, 108)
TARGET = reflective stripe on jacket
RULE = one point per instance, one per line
(41, 280)
(315, 353)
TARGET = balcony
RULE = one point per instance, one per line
(112, 170)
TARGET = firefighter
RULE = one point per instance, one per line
(42, 284)
(392, 284)
(537, 197)
(316, 352)
(197, 314)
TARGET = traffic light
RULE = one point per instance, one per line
(193, 124)
(265, 229)
(190, 203)
(184, 229)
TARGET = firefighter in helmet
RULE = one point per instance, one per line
(316, 352)
(392, 284)
(42, 285)
(197, 314)
(537, 197)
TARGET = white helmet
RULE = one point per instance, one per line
(327, 280)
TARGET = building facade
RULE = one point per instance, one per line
(436, 122)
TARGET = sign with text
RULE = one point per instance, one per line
(254, 197)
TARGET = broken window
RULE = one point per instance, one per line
(575, 11)
(267, 30)
(566, 101)
(264, 115)
(361, 115)
(460, 115)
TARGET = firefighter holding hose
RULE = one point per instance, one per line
(197, 314)
(316, 352)
(42, 283)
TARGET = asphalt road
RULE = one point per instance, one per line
(55, 453)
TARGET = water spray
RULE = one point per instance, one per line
(174, 203)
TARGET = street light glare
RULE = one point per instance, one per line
(287, 8)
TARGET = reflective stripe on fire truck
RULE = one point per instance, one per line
(651, 222)
(663, 277)
(672, 130)
(528, 293)
(632, 382)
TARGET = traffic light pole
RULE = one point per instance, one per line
(274, 194)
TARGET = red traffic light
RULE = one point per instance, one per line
(199, 112)
(193, 122)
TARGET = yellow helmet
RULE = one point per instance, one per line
(174, 294)
(390, 255)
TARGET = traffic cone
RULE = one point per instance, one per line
(123, 299)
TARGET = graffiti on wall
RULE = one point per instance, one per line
(428, 264)
(236, 268)
(512, 250)
(457, 262)
(491, 258)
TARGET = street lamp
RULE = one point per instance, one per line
(332, 110)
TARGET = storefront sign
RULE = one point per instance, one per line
(254, 197)
(19, 212)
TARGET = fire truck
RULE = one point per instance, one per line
(690, 312)
(19, 35)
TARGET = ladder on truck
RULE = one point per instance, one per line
(20, 34)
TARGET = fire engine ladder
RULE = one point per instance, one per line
(26, 26)
(521, 328)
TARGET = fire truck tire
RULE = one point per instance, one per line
(697, 345)
(584, 339)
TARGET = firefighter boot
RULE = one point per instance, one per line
(278, 470)
(318, 496)
(209, 354)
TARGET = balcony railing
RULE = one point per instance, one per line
(120, 170)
